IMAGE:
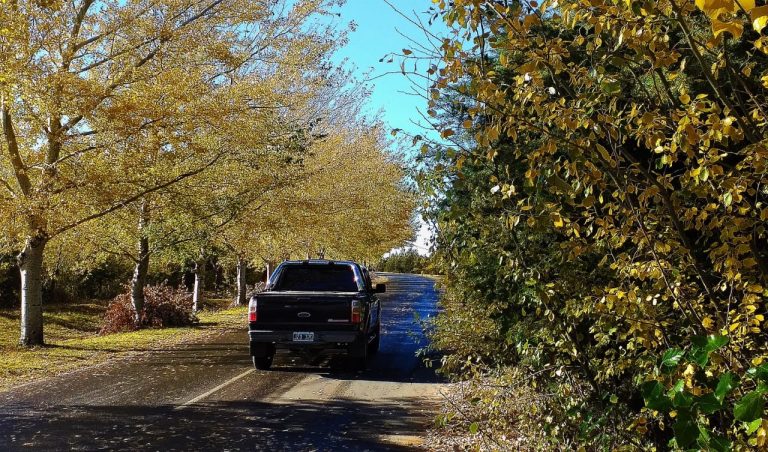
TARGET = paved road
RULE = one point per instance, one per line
(207, 396)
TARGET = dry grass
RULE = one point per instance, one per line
(72, 339)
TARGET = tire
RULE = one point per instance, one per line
(263, 363)
(358, 355)
(263, 354)
(373, 346)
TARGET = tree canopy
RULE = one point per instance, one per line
(148, 128)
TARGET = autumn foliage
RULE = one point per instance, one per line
(602, 213)
(163, 132)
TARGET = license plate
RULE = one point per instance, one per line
(303, 337)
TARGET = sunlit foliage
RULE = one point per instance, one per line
(604, 205)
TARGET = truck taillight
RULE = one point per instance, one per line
(253, 310)
(355, 318)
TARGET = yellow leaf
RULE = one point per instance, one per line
(603, 152)
(748, 5)
(460, 162)
(707, 322)
(713, 8)
(734, 28)
(557, 220)
(755, 288)
(759, 17)
(685, 98)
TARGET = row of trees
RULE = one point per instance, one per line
(405, 261)
(157, 131)
(602, 219)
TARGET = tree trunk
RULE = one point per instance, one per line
(242, 267)
(197, 293)
(139, 279)
(30, 262)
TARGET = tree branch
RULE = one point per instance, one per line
(123, 203)
(19, 168)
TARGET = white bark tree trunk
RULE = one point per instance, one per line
(242, 268)
(197, 292)
(30, 262)
(140, 270)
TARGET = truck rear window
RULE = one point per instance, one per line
(317, 278)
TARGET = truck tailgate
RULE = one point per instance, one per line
(304, 308)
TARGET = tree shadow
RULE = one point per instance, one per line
(328, 425)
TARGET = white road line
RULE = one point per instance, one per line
(217, 388)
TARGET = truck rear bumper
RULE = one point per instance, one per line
(284, 339)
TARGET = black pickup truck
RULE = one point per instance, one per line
(315, 306)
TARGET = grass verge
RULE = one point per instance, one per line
(72, 340)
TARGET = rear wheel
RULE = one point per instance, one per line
(263, 363)
(263, 354)
(358, 355)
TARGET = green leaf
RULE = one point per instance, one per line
(759, 373)
(715, 342)
(754, 425)
(678, 395)
(671, 359)
(473, 427)
(653, 395)
(703, 346)
(720, 444)
(614, 398)
(686, 431)
(678, 387)
(708, 403)
(710, 342)
(750, 407)
(724, 386)
(704, 436)
(611, 87)
(699, 356)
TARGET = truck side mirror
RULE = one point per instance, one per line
(380, 288)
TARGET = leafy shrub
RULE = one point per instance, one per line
(604, 231)
(164, 306)
(708, 405)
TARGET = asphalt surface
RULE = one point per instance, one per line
(208, 396)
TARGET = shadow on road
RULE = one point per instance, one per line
(219, 426)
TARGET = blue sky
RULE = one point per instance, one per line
(375, 37)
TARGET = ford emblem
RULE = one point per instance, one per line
(304, 315)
